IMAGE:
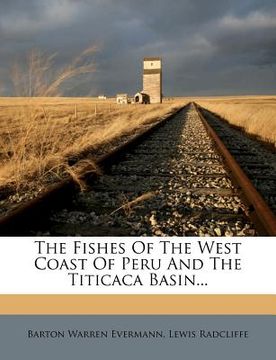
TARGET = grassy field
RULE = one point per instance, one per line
(37, 135)
(256, 115)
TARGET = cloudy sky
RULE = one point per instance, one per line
(209, 47)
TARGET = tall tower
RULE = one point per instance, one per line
(152, 79)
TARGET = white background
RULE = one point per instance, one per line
(18, 274)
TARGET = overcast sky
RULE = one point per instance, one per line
(208, 47)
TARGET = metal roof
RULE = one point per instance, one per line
(152, 58)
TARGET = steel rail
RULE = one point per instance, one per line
(17, 221)
(259, 211)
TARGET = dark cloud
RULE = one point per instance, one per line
(208, 47)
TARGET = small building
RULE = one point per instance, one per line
(102, 97)
(122, 99)
(141, 98)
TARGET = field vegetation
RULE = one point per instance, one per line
(256, 115)
(40, 130)
(38, 135)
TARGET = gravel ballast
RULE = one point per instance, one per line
(173, 184)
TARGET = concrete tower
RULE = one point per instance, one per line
(152, 79)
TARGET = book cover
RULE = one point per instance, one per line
(165, 255)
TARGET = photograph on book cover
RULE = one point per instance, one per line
(137, 178)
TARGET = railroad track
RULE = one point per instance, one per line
(258, 163)
(171, 181)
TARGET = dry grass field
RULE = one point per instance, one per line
(256, 115)
(37, 135)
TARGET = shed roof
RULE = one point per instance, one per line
(152, 58)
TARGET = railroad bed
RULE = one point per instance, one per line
(174, 183)
(257, 162)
